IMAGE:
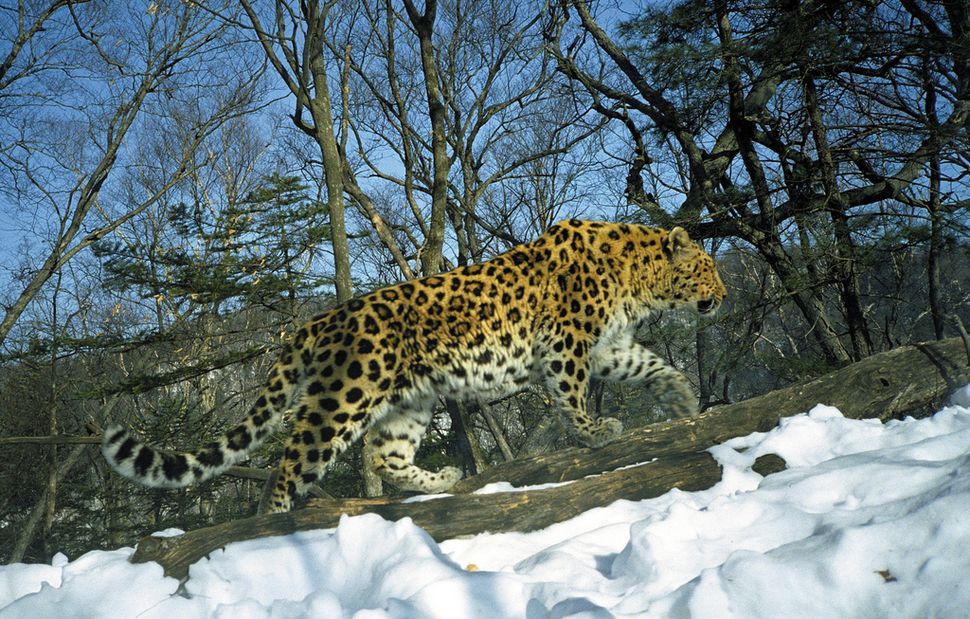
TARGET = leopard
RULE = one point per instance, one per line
(557, 313)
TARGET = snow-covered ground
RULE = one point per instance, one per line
(870, 520)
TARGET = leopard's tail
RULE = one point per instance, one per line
(159, 468)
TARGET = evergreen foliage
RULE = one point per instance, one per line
(255, 252)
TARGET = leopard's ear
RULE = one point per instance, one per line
(677, 240)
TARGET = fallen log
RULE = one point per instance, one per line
(905, 381)
(446, 517)
(908, 380)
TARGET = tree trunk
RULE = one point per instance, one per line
(431, 256)
(908, 380)
(844, 256)
(320, 110)
(705, 378)
(41, 506)
(933, 205)
(471, 451)
(935, 250)
(373, 484)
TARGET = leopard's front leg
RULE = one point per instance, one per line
(624, 360)
(566, 370)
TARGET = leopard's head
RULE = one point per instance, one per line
(694, 280)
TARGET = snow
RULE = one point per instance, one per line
(869, 520)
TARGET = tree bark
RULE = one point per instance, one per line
(323, 133)
(908, 380)
(303, 70)
(373, 484)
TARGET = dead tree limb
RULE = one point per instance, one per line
(908, 380)
(50, 440)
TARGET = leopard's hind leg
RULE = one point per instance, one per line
(395, 441)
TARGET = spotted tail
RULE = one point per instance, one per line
(159, 468)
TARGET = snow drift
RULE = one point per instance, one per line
(869, 520)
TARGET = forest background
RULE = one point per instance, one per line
(181, 183)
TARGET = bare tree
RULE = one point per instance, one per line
(490, 88)
(59, 164)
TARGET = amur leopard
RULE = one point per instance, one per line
(555, 312)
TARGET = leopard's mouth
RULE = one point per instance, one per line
(706, 306)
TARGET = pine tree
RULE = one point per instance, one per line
(257, 251)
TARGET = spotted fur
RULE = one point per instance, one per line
(555, 312)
